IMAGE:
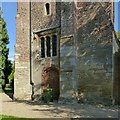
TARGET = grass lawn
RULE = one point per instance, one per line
(6, 117)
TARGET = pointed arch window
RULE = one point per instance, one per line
(47, 7)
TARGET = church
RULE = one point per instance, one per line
(65, 46)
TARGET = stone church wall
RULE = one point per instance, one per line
(43, 26)
(22, 87)
(67, 51)
(116, 70)
(41, 20)
(94, 51)
(84, 56)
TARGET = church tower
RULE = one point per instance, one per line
(22, 87)
(65, 46)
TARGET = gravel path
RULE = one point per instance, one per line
(54, 110)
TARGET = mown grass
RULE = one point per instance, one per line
(4, 117)
(7, 117)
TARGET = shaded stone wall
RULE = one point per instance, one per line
(67, 51)
(116, 83)
(42, 26)
(94, 51)
(116, 70)
(22, 87)
(84, 54)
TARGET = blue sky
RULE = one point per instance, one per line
(117, 16)
(9, 13)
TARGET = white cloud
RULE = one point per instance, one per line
(11, 59)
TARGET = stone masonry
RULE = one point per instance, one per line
(22, 57)
(64, 44)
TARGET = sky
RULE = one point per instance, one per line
(117, 16)
(9, 10)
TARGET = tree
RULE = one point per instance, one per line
(11, 77)
(4, 51)
(118, 35)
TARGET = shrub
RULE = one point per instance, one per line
(48, 95)
(2, 83)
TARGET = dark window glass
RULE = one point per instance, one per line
(48, 46)
(54, 45)
(47, 8)
(42, 48)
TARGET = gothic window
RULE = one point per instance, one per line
(48, 46)
(47, 7)
(42, 48)
(54, 45)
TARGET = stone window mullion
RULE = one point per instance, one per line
(40, 46)
(45, 46)
(51, 45)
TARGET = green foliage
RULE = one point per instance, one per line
(5, 64)
(2, 81)
(11, 77)
(48, 94)
(118, 35)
